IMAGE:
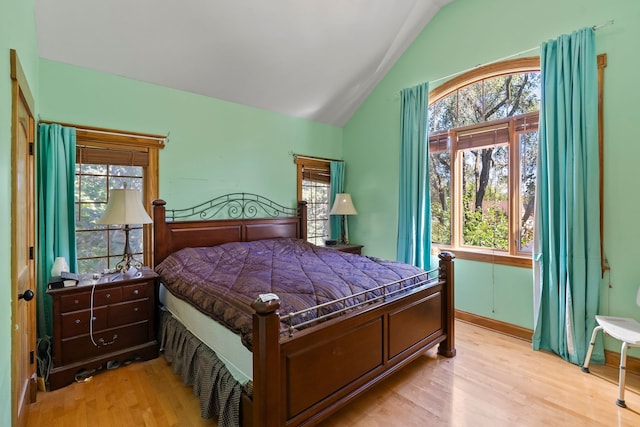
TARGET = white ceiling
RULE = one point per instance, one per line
(315, 59)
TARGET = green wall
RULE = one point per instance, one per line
(17, 31)
(214, 147)
(462, 35)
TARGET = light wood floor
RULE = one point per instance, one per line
(495, 380)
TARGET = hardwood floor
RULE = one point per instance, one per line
(495, 380)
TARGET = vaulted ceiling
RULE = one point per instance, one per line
(314, 59)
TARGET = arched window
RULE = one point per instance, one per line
(483, 144)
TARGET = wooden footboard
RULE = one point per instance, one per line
(302, 379)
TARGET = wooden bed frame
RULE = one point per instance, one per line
(304, 378)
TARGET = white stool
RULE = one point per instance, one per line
(623, 329)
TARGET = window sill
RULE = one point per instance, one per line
(487, 256)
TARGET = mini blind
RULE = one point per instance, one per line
(110, 156)
(527, 122)
(104, 146)
(439, 142)
(482, 135)
(315, 170)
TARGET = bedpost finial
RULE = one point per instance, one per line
(266, 304)
(158, 202)
(446, 256)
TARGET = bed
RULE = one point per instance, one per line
(304, 364)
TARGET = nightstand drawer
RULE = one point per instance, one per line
(77, 322)
(75, 302)
(107, 296)
(137, 291)
(128, 312)
(82, 300)
(109, 340)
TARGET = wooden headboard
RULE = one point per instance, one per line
(243, 226)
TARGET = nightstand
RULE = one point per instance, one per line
(354, 249)
(123, 324)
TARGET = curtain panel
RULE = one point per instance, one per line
(337, 186)
(414, 211)
(55, 174)
(566, 255)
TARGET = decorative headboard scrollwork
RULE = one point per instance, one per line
(233, 206)
(236, 217)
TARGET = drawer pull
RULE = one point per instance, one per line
(77, 321)
(104, 343)
(75, 301)
(135, 309)
(108, 296)
(136, 292)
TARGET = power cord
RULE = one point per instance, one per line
(43, 357)
(91, 318)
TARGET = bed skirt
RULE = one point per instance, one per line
(198, 365)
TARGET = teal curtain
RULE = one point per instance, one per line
(336, 169)
(566, 256)
(55, 173)
(414, 215)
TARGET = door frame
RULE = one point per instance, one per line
(20, 90)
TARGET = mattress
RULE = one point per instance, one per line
(222, 281)
(227, 345)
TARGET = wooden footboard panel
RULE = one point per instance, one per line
(324, 369)
(304, 378)
(415, 324)
(320, 365)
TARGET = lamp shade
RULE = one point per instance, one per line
(124, 207)
(343, 205)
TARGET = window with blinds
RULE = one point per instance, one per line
(314, 186)
(108, 160)
(486, 173)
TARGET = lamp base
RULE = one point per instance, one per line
(128, 265)
(131, 272)
(344, 235)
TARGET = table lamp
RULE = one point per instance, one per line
(125, 207)
(343, 206)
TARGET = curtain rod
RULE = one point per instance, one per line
(594, 28)
(93, 129)
(603, 25)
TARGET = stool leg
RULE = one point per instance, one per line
(623, 374)
(585, 367)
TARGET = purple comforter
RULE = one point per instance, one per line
(222, 281)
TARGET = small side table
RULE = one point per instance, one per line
(109, 319)
(351, 248)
